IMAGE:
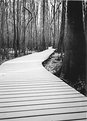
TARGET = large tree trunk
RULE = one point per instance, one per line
(86, 36)
(73, 68)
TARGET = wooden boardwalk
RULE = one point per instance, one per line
(28, 92)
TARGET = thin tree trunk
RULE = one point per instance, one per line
(36, 22)
(2, 44)
(58, 25)
(7, 27)
(24, 5)
(54, 23)
(14, 42)
(43, 36)
(18, 48)
(2, 24)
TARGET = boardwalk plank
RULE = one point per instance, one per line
(43, 112)
(28, 92)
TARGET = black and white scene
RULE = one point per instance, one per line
(43, 60)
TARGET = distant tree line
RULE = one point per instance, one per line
(28, 25)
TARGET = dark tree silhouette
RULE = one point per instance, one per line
(74, 63)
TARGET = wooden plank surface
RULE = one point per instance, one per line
(28, 92)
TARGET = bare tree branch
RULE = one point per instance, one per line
(30, 18)
(29, 21)
(28, 10)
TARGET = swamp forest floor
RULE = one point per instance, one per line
(54, 64)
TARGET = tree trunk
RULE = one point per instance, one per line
(14, 42)
(7, 25)
(36, 44)
(2, 24)
(74, 64)
(54, 23)
(24, 5)
(62, 29)
(2, 43)
(58, 24)
(43, 36)
(86, 37)
(18, 48)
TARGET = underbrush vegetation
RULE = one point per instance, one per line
(8, 54)
(54, 65)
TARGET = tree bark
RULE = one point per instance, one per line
(85, 20)
(74, 63)
(62, 29)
